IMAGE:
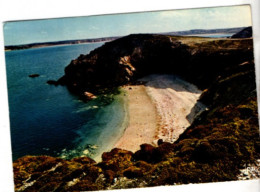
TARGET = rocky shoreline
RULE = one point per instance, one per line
(218, 144)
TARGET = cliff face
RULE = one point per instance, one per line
(220, 142)
(198, 60)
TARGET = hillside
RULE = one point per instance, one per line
(206, 31)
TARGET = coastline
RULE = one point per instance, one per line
(106, 139)
(161, 109)
(56, 45)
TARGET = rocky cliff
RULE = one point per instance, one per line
(219, 143)
(198, 60)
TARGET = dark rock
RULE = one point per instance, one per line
(163, 149)
(246, 112)
(34, 75)
(146, 153)
(73, 174)
(84, 160)
(133, 172)
(83, 186)
(145, 167)
(52, 82)
(109, 175)
(153, 154)
(159, 142)
(35, 176)
(116, 160)
(245, 33)
(106, 156)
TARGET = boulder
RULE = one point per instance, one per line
(146, 153)
(89, 96)
(52, 82)
(116, 160)
(34, 75)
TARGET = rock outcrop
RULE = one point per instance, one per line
(34, 75)
(52, 82)
(198, 60)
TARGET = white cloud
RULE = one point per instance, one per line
(219, 17)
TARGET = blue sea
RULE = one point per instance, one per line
(224, 35)
(49, 120)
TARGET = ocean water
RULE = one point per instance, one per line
(224, 35)
(49, 120)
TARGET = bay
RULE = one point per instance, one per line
(49, 120)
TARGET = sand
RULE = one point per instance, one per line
(176, 104)
(142, 121)
(161, 109)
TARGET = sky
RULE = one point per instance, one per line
(47, 30)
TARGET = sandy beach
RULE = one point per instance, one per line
(143, 119)
(161, 109)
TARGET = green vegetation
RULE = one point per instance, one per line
(209, 152)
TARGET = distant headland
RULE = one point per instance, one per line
(104, 39)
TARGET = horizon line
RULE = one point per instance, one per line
(119, 36)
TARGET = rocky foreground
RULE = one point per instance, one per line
(219, 144)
